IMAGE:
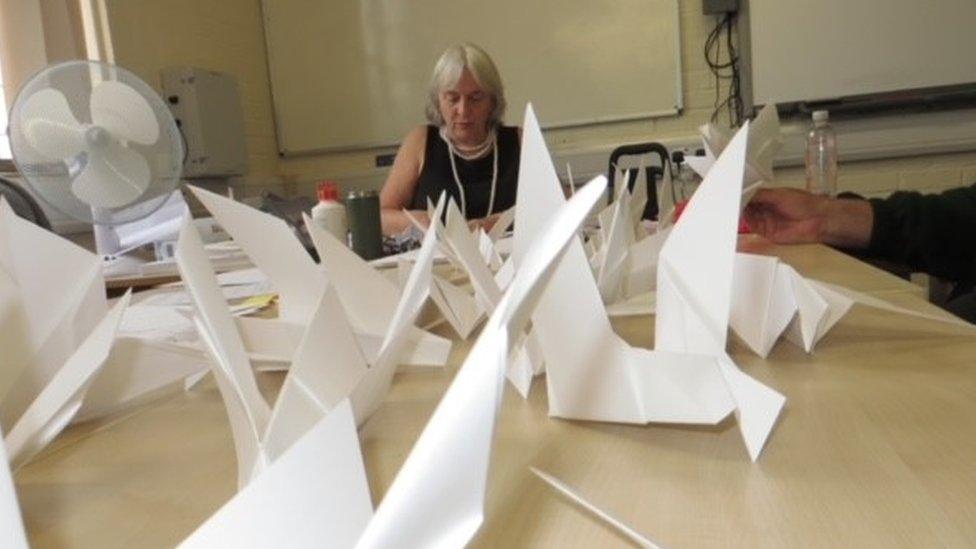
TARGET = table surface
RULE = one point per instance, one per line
(874, 448)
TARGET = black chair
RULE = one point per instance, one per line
(23, 203)
(653, 172)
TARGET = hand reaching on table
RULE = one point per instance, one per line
(791, 216)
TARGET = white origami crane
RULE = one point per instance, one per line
(764, 141)
(316, 492)
(326, 367)
(772, 299)
(273, 247)
(57, 339)
(688, 378)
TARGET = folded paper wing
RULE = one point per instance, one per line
(61, 398)
(437, 499)
(51, 298)
(369, 298)
(314, 495)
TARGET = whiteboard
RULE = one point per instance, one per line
(808, 51)
(353, 74)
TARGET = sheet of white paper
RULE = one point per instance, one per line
(11, 524)
(61, 398)
(242, 277)
(315, 494)
(614, 262)
(273, 248)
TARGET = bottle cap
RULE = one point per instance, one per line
(328, 191)
(820, 117)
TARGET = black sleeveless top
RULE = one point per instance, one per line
(475, 175)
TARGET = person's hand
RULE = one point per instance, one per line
(791, 216)
(787, 216)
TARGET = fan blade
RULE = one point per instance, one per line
(115, 177)
(124, 113)
(50, 127)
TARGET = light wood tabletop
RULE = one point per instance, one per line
(875, 447)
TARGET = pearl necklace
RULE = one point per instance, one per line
(490, 142)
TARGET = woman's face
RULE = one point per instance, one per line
(465, 108)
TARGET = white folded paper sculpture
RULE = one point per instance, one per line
(602, 378)
(314, 495)
(60, 399)
(437, 499)
(771, 300)
(52, 296)
(326, 367)
(11, 524)
(764, 141)
(273, 248)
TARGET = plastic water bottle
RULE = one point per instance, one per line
(329, 213)
(821, 158)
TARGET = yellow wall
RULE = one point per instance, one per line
(221, 35)
(227, 36)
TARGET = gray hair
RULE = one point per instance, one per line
(448, 71)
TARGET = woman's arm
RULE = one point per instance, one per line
(401, 184)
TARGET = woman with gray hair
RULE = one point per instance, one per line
(464, 151)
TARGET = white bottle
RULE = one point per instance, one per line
(821, 157)
(329, 213)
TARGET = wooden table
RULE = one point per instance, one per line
(875, 447)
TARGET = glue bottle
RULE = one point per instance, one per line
(821, 157)
(329, 213)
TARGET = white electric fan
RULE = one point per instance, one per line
(96, 143)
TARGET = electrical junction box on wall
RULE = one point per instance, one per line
(207, 108)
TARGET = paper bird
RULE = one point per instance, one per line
(327, 366)
(274, 249)
(52, 301)
(602, 378)
(764, 141)
(61, 397)
(772, 300)
(437, 499)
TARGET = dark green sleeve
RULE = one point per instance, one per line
(933, 233)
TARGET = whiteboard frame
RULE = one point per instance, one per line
(373, 146)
